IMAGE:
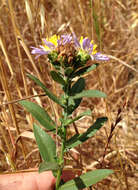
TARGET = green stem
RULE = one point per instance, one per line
(61, 158)
(63, 138)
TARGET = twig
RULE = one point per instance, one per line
(28, 97)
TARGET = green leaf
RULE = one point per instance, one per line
(73, 104)
(46, 166)
(39, 114)
(84, 70)
(68, 71)
(69, 121)
(80, 138)
(46, 145)
(90, 93)
(86, 180)
(57, 77)
(48, 93)
(78, 86)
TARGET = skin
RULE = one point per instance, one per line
(33, 180)
(27, 181)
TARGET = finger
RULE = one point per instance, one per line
(27, 181)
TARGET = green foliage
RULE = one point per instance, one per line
(90, 94)
(84, 70)
(57, 77)
(86, 180)
(46, 166)
(39, 114)
(70, 121)
(46, 145)
(48, 93)
(80, 138)
(69, 66)
(78, 86)
(68, 71)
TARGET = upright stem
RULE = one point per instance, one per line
(63, 138)
(61, 158)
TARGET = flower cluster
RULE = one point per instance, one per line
(83, 47)
(87, 46)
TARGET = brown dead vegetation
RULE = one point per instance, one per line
(25, 23)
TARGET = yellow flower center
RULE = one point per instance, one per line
(53, 40)
(94, 51)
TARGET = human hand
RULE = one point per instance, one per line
(27, 181)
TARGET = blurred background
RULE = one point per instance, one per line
(113, 25)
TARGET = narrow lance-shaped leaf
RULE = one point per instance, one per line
(86, 180)
(48, 93)
(80, 138)
(84, 70)
(46, 166)
(90, 94)
(69, 121)
(46, 145)
(76, 88)
(56, 77)
(39, 114)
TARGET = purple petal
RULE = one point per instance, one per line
(38, 51)
(86, 44)
(76, 42)
(49, 44)
(101, 57)
(64, 39)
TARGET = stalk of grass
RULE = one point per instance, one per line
(29, 13)
(83, 16)
(42, 17)
(6, 55)
(8, 157)
(9, 98)
(5, 139)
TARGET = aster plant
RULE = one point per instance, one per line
(71, 59)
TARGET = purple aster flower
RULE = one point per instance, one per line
(87, 45)
(51, 44)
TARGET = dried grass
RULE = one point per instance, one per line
(113, 25)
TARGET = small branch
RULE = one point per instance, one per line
(28, 97)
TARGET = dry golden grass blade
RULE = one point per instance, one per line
(27, 134)
(29, 56)
(18, 48)
(8, 96)
(8, 159)
(5, 52)
(6, 55)
(122, 62)
(79, 3)
(16, 34)
(37, 97)
(8, 156)
(42, 17)
(25, 98)
(20, 38)
(29, 13)
(5, 139)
